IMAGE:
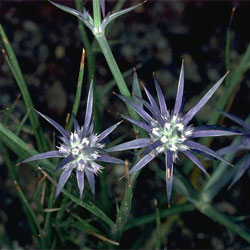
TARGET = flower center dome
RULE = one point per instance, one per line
(81, 149)
(172, 134)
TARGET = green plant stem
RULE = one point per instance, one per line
(91, 61)
(104, 194)
(115, 70)
(217, 216)
(227, 54)
(150, 218)
(15, 68)
(124, 212)
(20, 126)
(113, 65)
(164, 231)
(78, 91)
(158, 227)
(47, 224)
(87, 45)
(97, 13)
(31, 217)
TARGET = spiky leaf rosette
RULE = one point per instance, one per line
(170, 132)
(80, 150)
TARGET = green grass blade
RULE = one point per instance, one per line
(33, 220)
(104, 192)
(97, 13)
(47, 224)
(91, 208)
(158, 227)
(228, 46)
(84, 224)
(78, 90)
(14, 66)
(10, 109)
(30, 214)
(20, 148)
(150, 218)
(37, 194)
(20, 127)
(125, 208)
(124, 211)
(226, 221)
(87, 45)
(6, 157)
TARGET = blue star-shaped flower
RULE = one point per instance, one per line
(170, 132)
(80, 150)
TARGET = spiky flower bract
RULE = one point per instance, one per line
(170, 132)
(243, 145)
(81, 149)
(87, 19)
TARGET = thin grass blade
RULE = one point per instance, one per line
(15, 68)
(78, 91)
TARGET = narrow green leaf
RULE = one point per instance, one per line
(78, 90)
(33, 220)
(31, 217)
(228, 47)
(158, 227)
(125, 208)
(10, 109)
(88, 48)
(91, 208)
(150, 218)
(226, 221)
(84, 223)
(47, 224)
(37, 194)
(20, 148)
(14, 66)
(20, 127)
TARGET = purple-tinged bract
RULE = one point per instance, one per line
(170, 132)
(81, 150)
(87, 19)
(243, 145)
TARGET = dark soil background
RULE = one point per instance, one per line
(156, 36)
